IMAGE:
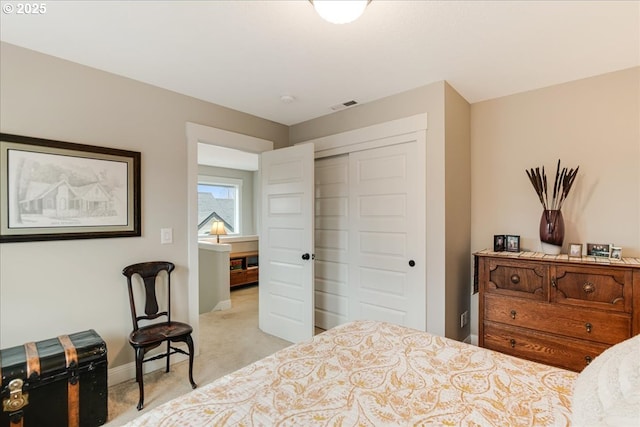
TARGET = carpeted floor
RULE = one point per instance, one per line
(229, 340)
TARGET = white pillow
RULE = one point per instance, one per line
(607, 391)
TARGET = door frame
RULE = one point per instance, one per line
(378, 135)
(213, 136)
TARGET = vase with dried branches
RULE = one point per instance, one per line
(551, 222)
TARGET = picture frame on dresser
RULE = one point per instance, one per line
(499, 243)
(575, 250)
(616, 253)
(513, 243)
(602, 250)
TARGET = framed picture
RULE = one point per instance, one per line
(598, 249)
(616, 252)
(499, 243)
(575, 250)
(54, 190)
(513, 243)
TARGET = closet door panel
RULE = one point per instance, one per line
(331, 241)
(386, 187)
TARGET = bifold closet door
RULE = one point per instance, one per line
(387, 205)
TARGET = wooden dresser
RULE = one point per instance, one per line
(554, 309)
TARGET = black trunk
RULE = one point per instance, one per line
(59, 391)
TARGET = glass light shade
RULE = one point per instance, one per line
(340, 11)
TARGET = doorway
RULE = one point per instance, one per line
(216, 138)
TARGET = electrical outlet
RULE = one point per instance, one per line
(464, 319)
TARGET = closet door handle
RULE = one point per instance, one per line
(306, 257)
(412, 263)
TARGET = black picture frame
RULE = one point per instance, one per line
(499, 244)
(512, 243)
(56, 190)
(601, 250)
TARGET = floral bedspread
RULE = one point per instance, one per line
(368, 373)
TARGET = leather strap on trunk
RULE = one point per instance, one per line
(73, 385)
(33, 359)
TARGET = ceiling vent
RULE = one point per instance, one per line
(344, 105)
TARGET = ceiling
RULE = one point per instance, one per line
(246, 55)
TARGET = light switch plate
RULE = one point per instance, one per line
(166, 235)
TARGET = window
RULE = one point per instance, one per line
(219, 200)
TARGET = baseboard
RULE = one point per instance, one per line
(474, 339)
(126, 372)
(222, 305)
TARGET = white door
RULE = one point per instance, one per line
(286, 243)
(387, 234)
(332, 241)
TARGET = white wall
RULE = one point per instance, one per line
(59, 287)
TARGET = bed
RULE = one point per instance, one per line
(368, 373)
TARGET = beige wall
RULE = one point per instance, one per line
(66, 286)
(458, 211)
(593, 123)
(58, 287)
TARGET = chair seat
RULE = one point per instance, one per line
(159, 332)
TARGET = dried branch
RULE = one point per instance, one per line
(561, 185)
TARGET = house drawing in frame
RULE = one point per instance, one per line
(58, 190)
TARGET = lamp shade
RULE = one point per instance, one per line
(217, 228)
(340, 11)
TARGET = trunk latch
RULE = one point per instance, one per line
(17, 399)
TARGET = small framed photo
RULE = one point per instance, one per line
(599, 249)
(498, 243)
(513, 243)
(575, 250)
(616, 253)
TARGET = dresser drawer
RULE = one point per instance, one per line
(553, 350)
(237, 277)
(592, 325)
(522, 279)
(252, 275)
(603, 288)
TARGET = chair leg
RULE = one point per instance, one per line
(139, 359)
(189, 341)
(168, 354)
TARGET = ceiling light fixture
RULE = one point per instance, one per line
(287, 99)
(340, 11)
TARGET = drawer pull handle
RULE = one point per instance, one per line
(515, 279)
(588, 327)
(513, 314)
(512, 342)
(587, 359)
(554, 284)
(588, 287)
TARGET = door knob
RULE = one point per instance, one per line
(412, 263)
(306, 257)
